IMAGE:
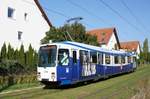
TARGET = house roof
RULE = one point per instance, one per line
(130, 45)
(43, 13)
(104, 35)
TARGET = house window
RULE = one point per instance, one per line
(19, 35)
(11, 12)
(103, 33)
(25, 16)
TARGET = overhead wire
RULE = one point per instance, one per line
(88, 12)
(122, 17)
(134, 16)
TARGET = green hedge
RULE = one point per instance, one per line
(6, 81)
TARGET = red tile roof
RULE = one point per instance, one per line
(43, 13)
(104, 35)
(130, 45)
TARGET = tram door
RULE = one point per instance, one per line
(64, 67)
(75, 70)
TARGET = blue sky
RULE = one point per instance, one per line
(96, 15)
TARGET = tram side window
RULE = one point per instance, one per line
(63, 57)
(100, 58)
(129, 59)
(84, 57)
(74, 57)
(123, 60)
(93, 57)
(107, 59)
(116, 58)
(134, 59)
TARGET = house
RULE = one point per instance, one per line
(22, 22)
(131, 46)
(106, 37)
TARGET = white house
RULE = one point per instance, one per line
(22, 22)
(131, 46)
(107, 38)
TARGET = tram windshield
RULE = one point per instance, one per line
(47, 56)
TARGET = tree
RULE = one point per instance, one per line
(35, 59)
(21, 57)
(53, 34)
(16, 55)
(30, 57)
(145, 50)
(10, 53)
(76, 30)
(4, 52)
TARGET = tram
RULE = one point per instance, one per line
(69, 62)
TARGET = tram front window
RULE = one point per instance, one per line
(47, 56)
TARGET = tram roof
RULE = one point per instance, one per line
(93, 48)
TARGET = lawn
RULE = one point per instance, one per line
(120, 87)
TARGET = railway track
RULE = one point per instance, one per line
(80, 92)
(27, 93)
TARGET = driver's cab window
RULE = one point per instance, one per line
(63, 57)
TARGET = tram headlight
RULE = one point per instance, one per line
(39, 75)
(53, 76)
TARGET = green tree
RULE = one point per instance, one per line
(35, 60)
(53, 34)
(10, 53)
(145, 50)
(4, 52)
(21, 55)
(30, 57)
(16, 55)
(76, 30)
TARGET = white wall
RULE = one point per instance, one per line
(111, 43)
(138, 51)
(33, 28)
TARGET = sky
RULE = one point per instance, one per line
(131, 18)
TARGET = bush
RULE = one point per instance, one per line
(10, 67)
(6, 81)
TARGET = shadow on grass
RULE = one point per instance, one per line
(79, 84)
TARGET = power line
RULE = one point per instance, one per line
(122, 17)
(56, 12)
(87, 11)
(63, 15)
(134, 16)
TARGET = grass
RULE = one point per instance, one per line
(22, 86)
(121, 87)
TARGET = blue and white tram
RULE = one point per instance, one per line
(71, 62)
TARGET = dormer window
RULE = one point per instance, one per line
(103, 33)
